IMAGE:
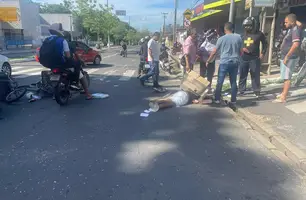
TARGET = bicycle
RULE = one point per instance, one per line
(15, 92)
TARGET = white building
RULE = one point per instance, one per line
(26, 30)
(68, 23)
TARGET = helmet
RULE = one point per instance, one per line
(249, 24)
(147, 38)
(142, 40)
(67, 36)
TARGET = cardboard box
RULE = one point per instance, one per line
(194, 83)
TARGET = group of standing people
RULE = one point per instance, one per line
(241, 54)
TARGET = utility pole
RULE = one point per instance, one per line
(164, 26)
(108, 37)
(232, 12)
(251, 9)
(174, 23)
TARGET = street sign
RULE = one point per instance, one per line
(188, 14)
(264, 3)
(121, 12)
(187, 23)
(248, 4)
(8, 14)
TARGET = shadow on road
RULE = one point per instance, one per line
(103, 149)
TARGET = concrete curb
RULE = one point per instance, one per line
(281, 143)
(21, 60)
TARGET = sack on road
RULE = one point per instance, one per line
(194, 83)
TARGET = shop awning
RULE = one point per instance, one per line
(210, 4)
(206, 13)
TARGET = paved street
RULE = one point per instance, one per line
(103, 149)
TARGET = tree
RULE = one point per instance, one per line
(119, 31)
(54, 8)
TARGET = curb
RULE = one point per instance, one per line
(281, 143)
(21, 60)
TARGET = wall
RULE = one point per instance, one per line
(29, 13)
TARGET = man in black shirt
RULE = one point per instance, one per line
(251, 55)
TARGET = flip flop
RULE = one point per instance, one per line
(89, 98)
(279, 101)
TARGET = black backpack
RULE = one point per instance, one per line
(51, 52)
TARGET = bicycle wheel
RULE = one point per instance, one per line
(16, 94)
(300, 75)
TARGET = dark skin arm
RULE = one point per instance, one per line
(264, 45)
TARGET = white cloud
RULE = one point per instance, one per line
(145, 13)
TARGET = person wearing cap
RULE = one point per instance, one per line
(153, 58)
(68, 54)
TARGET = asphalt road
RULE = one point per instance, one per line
(103, 149)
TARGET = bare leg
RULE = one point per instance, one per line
(83, 82)
(285, 90)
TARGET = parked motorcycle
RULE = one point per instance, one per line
(123, 53)
(164, 61)
(63, 82)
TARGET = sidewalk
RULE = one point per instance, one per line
(282, 124)
(274, 78)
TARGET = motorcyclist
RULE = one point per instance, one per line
(143, 56)
(69, 56)
(252, 56)
(124, 48)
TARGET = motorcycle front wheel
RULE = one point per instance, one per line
(62, 93)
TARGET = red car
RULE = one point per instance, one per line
(87, 54)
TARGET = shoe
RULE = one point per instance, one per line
(142, 82)
(217, 102)
(139, 75)
(257, 94)
(158, 89)
(241, 93)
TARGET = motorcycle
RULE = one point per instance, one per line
(63, 82)
(177, 47)
(164, 61)
(123, 53)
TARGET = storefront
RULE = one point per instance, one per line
(212, 14)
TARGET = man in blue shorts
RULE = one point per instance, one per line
(289, 55)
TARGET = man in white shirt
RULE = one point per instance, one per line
(153, 58)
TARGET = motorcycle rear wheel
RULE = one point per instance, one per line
(62, 93)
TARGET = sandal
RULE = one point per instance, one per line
(279, 101)
(89, 97)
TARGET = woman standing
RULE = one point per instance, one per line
(205, 50)
(190, 49)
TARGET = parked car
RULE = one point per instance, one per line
(5, 65)
(87, 54)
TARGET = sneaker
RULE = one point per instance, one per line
(241, 93)
(257, 94)
(139, 75)
(217, 102)
(158, 89)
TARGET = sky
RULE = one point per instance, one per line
(146, 14)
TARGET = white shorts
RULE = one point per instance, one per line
(180, 98)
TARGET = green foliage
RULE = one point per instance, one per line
(96, 20)
(54, 8)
